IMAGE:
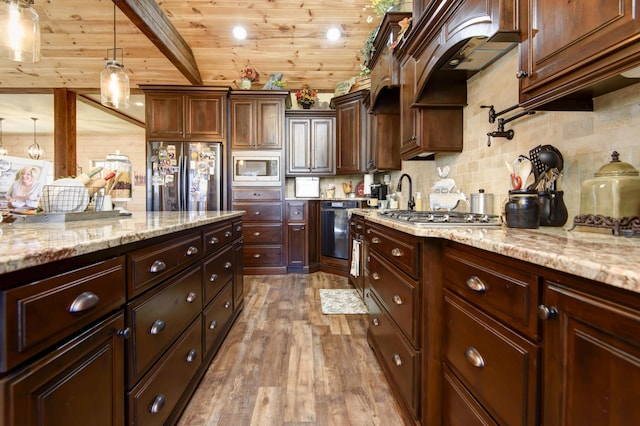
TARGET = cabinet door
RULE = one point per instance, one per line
(242, 123)
(79, 383)
(205, 116)
(238, 279)
(270, 123)
(409, 123)
(299, 149)
(348, 136)
(323, 146)
(296, 244)
(591, 360)
(165, 116)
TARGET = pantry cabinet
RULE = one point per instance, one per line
(310, 143)
(573, 51)
(257, 119)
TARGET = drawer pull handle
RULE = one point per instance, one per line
(256, 234)
(256, 256)
(158, 265)
(192, 251)
(239, 229)
(191, 356)
(84, 302)
(397, 299)
(359, 227)
(375, 240)
(476, 284)
(213, 324)
(192, 296)
(375, 276)
(157, 327)
(124, 333)
(257, 213)
(396, 252)
(227, 304)
(228, 234)
(375, 322)
(397, 360)
(547, 312)
(473, 356)
(213, 277)
(157, 404)
(214, 240)
(227, 265)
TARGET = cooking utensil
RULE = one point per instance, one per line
(516, 182)
(550, 160)
(524, 169)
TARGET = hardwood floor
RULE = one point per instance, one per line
(285, 363)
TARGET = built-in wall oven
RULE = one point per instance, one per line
(334, 228)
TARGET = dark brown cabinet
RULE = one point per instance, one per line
(297, 242)
(175, 112)
(310, 143)
(352, 126)
(257, 119)
(571, 52)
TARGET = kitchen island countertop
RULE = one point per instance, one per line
(613, 260)
(23, 245)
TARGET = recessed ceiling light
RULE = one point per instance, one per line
(333, 34)
(239, 33)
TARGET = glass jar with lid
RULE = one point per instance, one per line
(120, 187)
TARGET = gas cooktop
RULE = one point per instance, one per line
(441, 218)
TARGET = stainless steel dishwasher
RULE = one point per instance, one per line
(334, 228)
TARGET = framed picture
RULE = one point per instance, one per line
(22, 181)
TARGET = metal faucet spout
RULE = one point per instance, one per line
(411, 204)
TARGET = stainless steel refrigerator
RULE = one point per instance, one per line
(184, 176)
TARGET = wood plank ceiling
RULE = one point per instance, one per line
(284, 36)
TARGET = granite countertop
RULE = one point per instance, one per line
(598, 256)
(23, 245)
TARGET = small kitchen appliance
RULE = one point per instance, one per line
(307, 187)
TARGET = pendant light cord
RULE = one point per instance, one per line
(114, 32)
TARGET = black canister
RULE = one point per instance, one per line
(553, 211)
(522, 210)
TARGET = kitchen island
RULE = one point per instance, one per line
(114, 321)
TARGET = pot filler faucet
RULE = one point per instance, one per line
(411, 204)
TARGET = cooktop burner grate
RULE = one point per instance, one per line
(428, 218)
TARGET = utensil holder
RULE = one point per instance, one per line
(553, 211)
(522, 210)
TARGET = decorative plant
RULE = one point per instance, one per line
(368, 49)
(380, 7)
(250, 73)
(279, 83)
(306, 95)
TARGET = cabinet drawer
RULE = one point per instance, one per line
(260, 212)
(40, 314)
(397, 294)
(216, 317)
(152, 264)
(216, 237)
(264, 233)
(399, 248)
(459, 407)
(498, 366)
(258, 255)
(153, 399)
(218, 270)
(296, 211)
(262, 194)
(400, 361)
(158, 318)
(237, 228)
(505, 292)
(356, 225)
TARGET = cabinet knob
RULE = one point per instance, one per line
(83, 302)
(192, 251)
(522, 74)
(214, 240)
(228, 234)
(296, 212)
(227, 265)
(125, 333)
(375, 322)
(256, 234)
(157, 327)
(192, 296)
(256, 194)
(157, 404)
(213, 324)
(375, 240)
(227, 304)
(476, 284)
(239, 228)
(397, 360)
(256, 256)
(191, 356)
(473, 356)
(375, 276)
(213, 277)
(397, 299)
(257, 213)
(157, 266)
(396, 252)
(547, 312)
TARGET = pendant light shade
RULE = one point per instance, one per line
(20, 28)
(34, 151)
(114, 82)
(3, 150)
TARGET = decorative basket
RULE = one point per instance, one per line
(64, 199)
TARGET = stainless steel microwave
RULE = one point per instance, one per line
(257, 168)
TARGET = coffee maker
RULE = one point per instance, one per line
(379, 191)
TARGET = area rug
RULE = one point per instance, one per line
(341, 301)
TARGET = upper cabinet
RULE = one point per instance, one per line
(311, 142)
(352, 125)
(257, 119)
(186, 112)
(573, 51)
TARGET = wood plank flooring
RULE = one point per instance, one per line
(285, 363)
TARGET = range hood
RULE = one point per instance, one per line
(476, 54)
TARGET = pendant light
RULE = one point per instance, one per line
(114, 82)
(20, 27)
(34, 150)
(3, 150)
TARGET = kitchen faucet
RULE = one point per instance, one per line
(411, 204)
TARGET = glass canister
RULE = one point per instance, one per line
(120, 186)
(523, 209)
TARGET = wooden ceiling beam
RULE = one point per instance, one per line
(149, 18)
(94, 103)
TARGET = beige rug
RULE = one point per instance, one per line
(341, 301)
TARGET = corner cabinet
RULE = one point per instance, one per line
(563, 66)
(186, 112)
(257, 119)
(310, 143)
(352, 126)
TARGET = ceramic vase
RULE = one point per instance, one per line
(245, 83)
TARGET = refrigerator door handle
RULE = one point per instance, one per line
(184, 175)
